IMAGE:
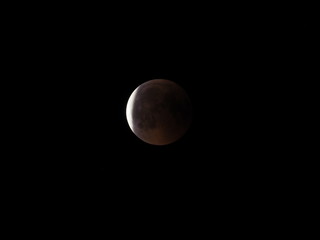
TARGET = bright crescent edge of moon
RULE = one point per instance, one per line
(129, 108)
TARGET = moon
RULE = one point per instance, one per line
(159, 112)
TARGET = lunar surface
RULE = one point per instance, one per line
(159, 112)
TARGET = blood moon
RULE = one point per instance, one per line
(159, 112)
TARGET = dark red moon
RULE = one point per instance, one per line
(159, 112)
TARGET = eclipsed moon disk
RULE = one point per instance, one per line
(159, 112)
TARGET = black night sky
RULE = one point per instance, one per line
(228, 166)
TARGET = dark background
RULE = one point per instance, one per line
(231, 166)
